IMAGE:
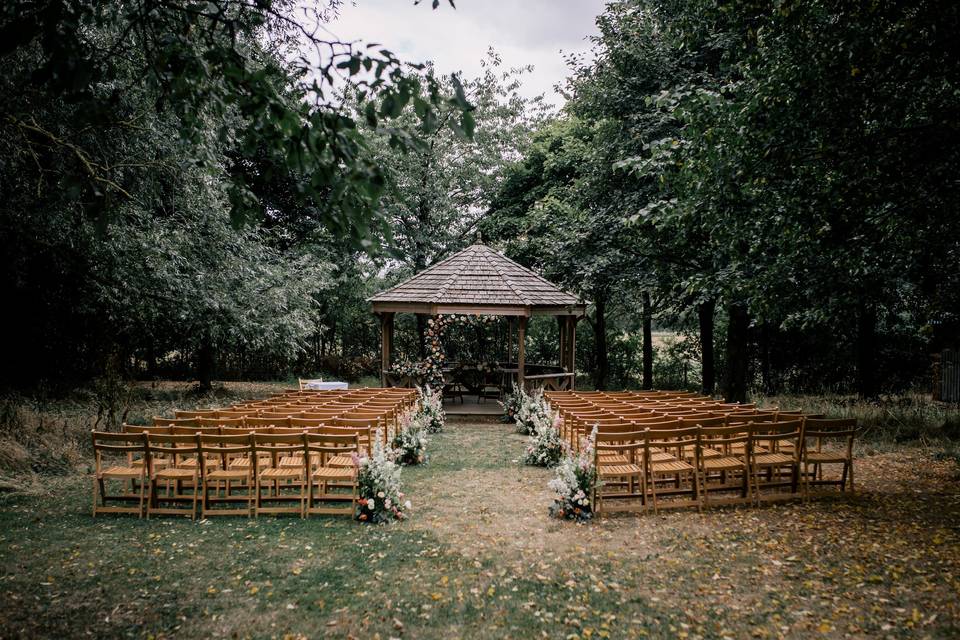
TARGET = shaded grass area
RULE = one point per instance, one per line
(479, 558)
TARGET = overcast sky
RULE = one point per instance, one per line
(522, 31)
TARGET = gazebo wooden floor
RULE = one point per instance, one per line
(472, 406)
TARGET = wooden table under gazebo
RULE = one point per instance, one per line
(480, 281)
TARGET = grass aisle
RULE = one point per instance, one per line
(479, 558)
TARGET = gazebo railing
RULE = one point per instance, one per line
(559, 381)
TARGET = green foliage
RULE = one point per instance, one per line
(176, 187)
(791, 163)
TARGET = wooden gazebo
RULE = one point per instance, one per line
(480, 281)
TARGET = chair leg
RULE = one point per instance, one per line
(804, 484)
(653, 492)
(756, 485)
(94, 479)
(850, 464)
(142, 496)
(151, 498)
(196, 490)
(696, 490)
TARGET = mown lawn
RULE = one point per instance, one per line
(479, 558)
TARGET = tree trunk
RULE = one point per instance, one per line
(151, 360)
(866, 346)
(205, 364)
(600, 344)
(647, 342)
(737, 360)
(705, 312)
(766, 370)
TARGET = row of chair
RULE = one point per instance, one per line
(250, 472)
(755, 461)
(290, 453)
(385, 406)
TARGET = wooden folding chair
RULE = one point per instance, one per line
(224, 449)
(124, 446)
(838, 430)
(627, 475)
(366, 426)
(765, 452)
(326, 475)
(172, 447)
(170, 422)
(259, 422)
(665, 459)
(276, 446)
(199, 413)
(718, 460)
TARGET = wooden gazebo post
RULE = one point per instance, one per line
(571, 345)
(521, 348)
(386, 342)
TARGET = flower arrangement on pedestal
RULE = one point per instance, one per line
(546, 448)
(378, 484)
(531, 410)
(431, 411)
(576, 482)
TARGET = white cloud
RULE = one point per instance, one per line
(521, 31)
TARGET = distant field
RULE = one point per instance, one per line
(661, 337)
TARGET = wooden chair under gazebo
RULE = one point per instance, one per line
(480, 281)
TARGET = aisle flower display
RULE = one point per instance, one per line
(576, 482)
(546, 447)
(431, 411)
(378, 484)
(532, 411)
(511, 404)
(409, 442)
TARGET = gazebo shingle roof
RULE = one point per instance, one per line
(477, 276)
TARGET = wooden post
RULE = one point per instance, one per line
(562, 330)
(520, 349)
(386, 342)
(509, 341)
(572, 349)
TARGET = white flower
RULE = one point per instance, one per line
(381, 494)
(387, 503)
(407, 504)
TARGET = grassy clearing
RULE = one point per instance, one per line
(479, 558)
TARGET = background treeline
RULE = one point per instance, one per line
(214, 189)
(777, 180)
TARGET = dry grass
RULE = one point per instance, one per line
(480, 558)
(51, 436)
(900, 418)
